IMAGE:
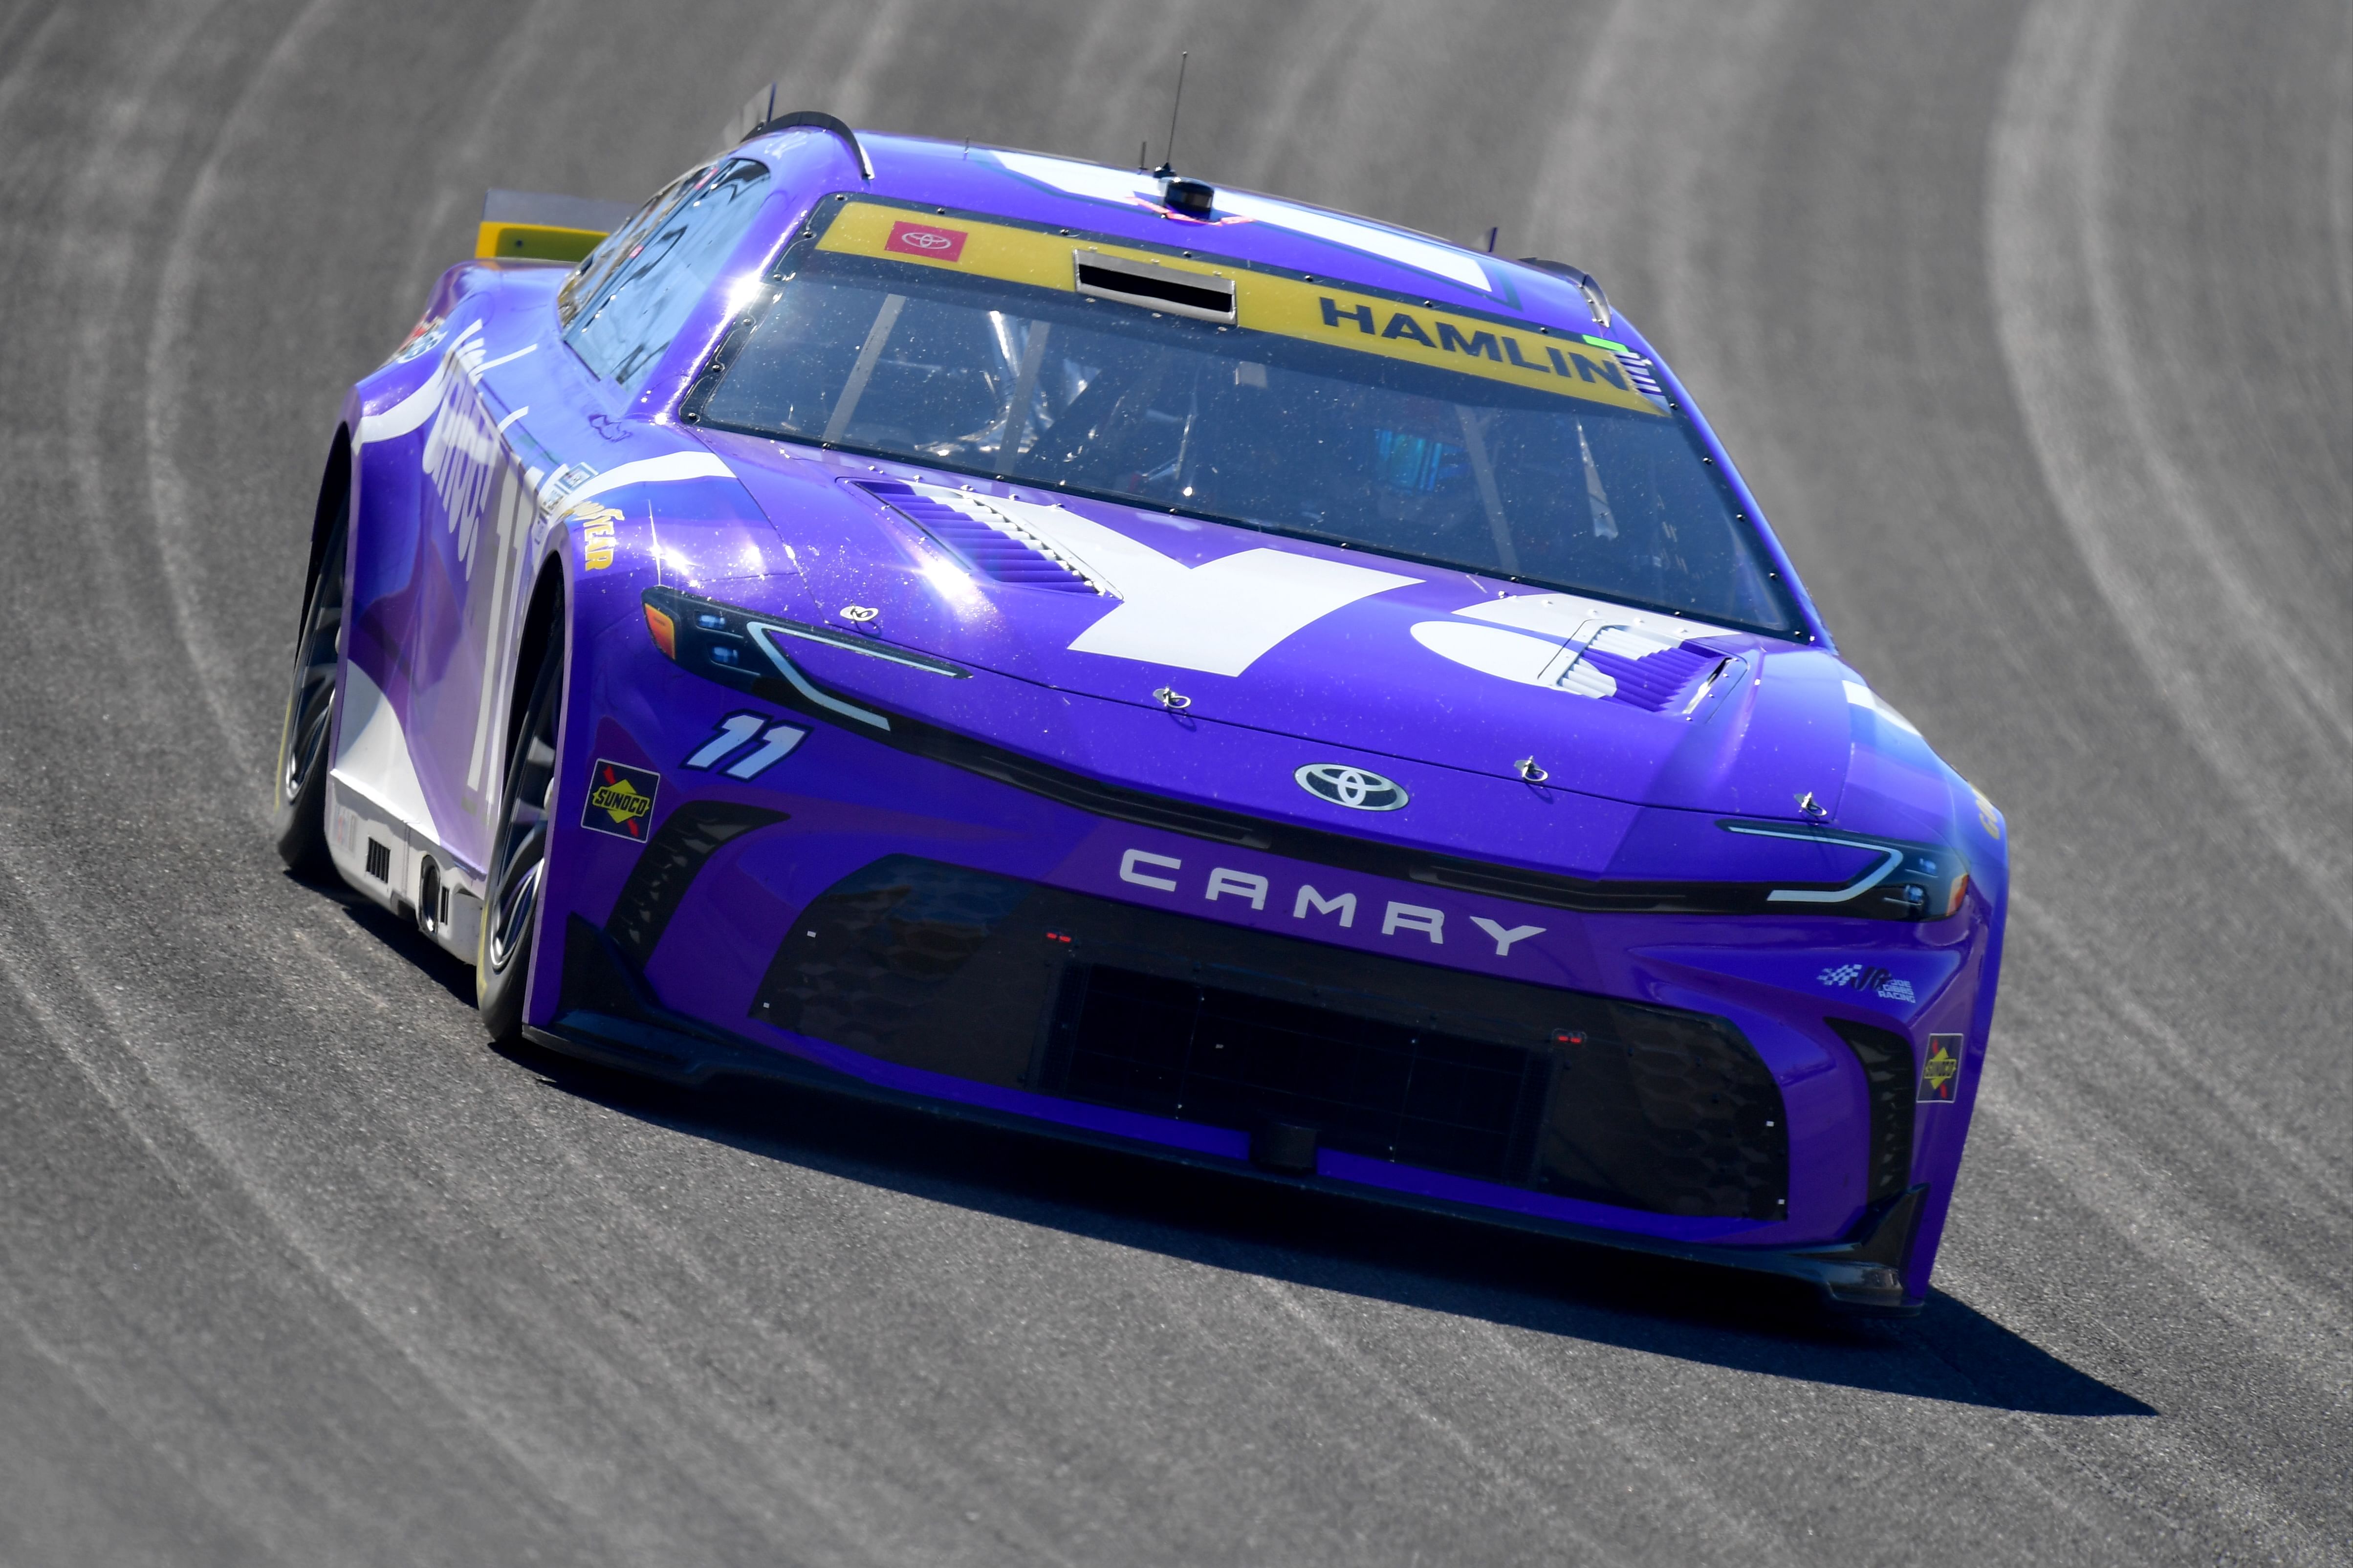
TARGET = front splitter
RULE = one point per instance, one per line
(1862, 1276)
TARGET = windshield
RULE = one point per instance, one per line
(937, 361)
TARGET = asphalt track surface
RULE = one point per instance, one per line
(2033, 326)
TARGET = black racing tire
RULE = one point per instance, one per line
(518, 850)
(299, 782)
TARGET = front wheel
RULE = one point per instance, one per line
(298, 790)
(519, 851)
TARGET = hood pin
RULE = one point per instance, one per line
(1530, 771)
(859, 613)
(1172, 700)
(1813, 807)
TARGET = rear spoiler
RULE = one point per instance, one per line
(527, 225)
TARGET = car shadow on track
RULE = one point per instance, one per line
(449, 973)
(1951, 1352)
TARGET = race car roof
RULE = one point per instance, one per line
(1244, 225)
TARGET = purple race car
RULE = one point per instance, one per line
(1149, 663)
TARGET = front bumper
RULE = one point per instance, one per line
(1861, 1276)
(727, 942)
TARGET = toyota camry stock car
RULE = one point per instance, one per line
(1152, 663)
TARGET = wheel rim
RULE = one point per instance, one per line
(520, 850)
(311, 705)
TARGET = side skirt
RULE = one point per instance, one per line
(390, 863)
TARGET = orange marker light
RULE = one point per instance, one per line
(665, 631)
(1960, 892)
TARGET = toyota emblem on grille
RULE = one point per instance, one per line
(1352, 787)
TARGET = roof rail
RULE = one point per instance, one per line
(1585, 282)
(758, 116)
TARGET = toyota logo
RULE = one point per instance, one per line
(924, 239)
(1352, 787)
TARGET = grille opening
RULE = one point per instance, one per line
(1886, 1058)
(1164, 288)
(1299, 1045)
(379, 861)
(1202, 1053)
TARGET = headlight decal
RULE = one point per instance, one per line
(739, 649)
(1929, 882)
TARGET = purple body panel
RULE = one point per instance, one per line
(496, 466)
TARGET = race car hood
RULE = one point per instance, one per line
(1370, 654)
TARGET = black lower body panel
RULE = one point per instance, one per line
(1196, 1052)
(1025, 987)
(1859, 1276)
(1301, 1044)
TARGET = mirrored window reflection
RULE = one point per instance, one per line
(597, 267)
(669, 263)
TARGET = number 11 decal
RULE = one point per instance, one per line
(736, 731)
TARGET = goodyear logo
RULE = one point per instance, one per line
(1988, 817)
(621, 800)
(1940, 1070)
(596, 537)
(1287, 307)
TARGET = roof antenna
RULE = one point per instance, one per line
(1491, 239)
(1167, 169)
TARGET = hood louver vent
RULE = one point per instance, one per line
(1654, 680)
(993, 550)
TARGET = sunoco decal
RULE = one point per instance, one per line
(1940, 1070)
(621, 800)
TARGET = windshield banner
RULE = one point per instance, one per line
(1561, 362)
